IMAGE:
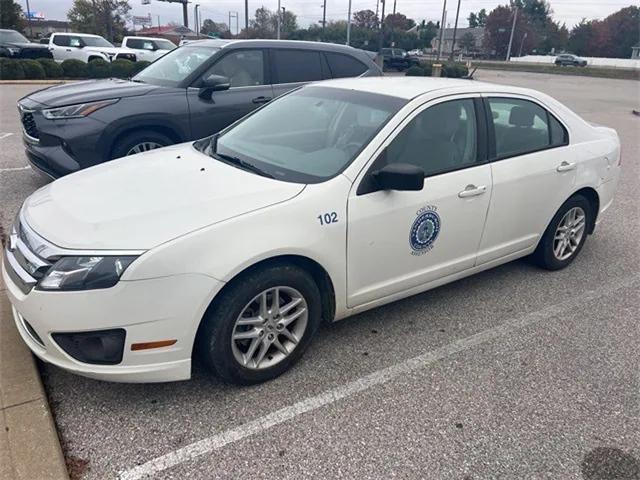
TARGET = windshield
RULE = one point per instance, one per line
(12, 37)
(96, 42)
(165, 44)
(310, 135)
(172, 68)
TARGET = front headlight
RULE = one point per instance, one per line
(76, 111)
(85, 273)
(13, 50)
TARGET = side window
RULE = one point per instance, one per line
(147, 45)
(292, 66)
(61, 40)
(559, 135)
(439, 139)
(522, 126)
(243, 67)
(75, 41)
(134, 43)
(344, 66)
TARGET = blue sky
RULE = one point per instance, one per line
(310, 11)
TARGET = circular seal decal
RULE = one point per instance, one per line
(424, 231)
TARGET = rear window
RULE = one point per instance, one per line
(344, 66)
(293, 66)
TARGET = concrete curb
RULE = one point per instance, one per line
(29, 444)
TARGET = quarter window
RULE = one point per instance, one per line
(61, 40)
(134, 43)
(344, 66)
(442, 138)
(522, 127)
(292, 66)
(243, 67)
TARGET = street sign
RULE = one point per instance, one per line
(144, 21)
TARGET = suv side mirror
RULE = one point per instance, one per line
(213, 83)
(400, 176)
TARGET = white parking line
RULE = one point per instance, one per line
(15, 169)
(379, 377)
(4, 135)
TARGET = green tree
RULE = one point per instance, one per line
(102, 17)
(477, 19)
(398, 21)
(11, 15)
(365, 19)
(468, 42)
(209, 27)
(580, 37)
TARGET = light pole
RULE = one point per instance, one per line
(444, 18)
(522, 43)
(279, 19)
(349, 24)
(29, 20)
(196, 21)
(324, 17)
(513, 28)
(455, 30)
(246, 16)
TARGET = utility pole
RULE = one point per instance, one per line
(279, 19)
(185, 14)
(349, 24)
(392, 27)
(455, 30)
(324, 17)
(444, 19)
(29, 19)
(513, 28)
(381, 34)
(377, 8)
(246, 16)
(158, 23)
(196, 21)
(522, 43)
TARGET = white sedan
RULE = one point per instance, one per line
(331, 200)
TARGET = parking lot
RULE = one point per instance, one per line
(513, 373)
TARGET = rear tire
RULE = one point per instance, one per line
(565, 236)
(139, 141)
(239, 361)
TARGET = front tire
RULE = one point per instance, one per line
(138, 142)
(261, 325)
(565, 236)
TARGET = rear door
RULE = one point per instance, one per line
(250, 88)
(291, 68)
(534, 172)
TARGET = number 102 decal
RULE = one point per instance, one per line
(327, 218)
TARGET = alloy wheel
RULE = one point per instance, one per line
(569, 233)
(143, 147)
(269, 328)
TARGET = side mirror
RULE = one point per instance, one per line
(213, 83)
(400, 176)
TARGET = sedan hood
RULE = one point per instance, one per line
(141, 201)
(35, 46)
(88, 91)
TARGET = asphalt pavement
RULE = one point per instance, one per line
(513, 373)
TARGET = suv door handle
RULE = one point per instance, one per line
(472, 191)
(566, 166)
(261, 99)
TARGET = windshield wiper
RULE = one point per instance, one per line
(242, 164)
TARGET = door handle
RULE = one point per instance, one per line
(472, 191)
(566, 166)
(261, 99)
(68, 49)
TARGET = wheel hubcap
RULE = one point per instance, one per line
(143, 147)
(569, 233)
(269, 328)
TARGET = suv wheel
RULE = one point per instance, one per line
(138, 142)
(261, 325)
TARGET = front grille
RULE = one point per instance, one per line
(35, 53)
(29, 124)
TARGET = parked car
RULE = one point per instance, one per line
(148, 48)
(15, 45)
(334, 199)
(398, 59)
(191, 92)
(566, 59)
(86, 47)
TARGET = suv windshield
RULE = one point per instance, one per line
(96, 42)
(12, 37)
(165, 44)
(309, 135)
(172, 68)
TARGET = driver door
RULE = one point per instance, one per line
(398, 241)
(250, 88)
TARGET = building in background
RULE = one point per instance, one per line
(170, 32)
(44, 28)
(468, 41)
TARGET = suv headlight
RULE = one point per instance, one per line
(85, 273)
(76, 111)
(13, 50)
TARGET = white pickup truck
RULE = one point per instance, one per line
(86, 47)
(148, 48)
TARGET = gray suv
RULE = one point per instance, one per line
(191, 92)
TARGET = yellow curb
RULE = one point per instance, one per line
(28, 438)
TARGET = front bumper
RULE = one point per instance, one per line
(148, 310)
